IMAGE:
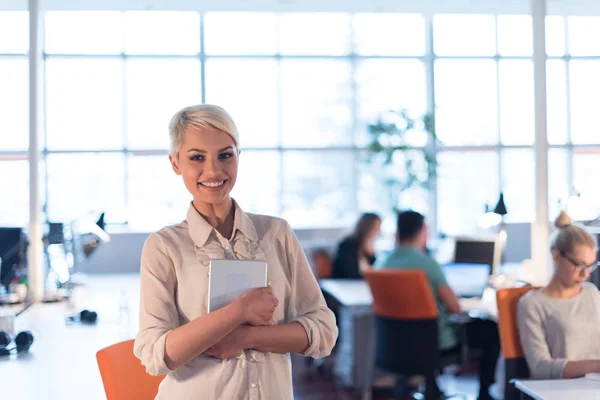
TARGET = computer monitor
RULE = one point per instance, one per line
(467, 280)
(478, 250)
(11, 252)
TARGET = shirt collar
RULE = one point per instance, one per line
(200, 230)
(408, 250)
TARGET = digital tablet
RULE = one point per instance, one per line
(229, 279)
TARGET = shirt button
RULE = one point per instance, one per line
(253, 385)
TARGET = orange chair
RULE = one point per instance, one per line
(406, 325)
(323, 264)
(123, 376)
(515, 364)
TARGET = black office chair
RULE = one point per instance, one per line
(406, 326)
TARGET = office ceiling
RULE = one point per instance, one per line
(563, 7)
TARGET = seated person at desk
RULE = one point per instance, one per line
(357, 251)
(559, 325)
(411, 238)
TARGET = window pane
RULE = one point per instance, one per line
(466, 102)
(515, 35)
(259, 169)
(516, 102)
(556, 80)
(84, 103)
(314, 33)
(14, 193)
(14, 104)
(82, 183)
(388, 85)
(14, 32)
(316, 103)
(389, 34)
(179, 32)
(558, 181)
(467, 181)
(379, 183)
(234, 84)
(586, 164)
(318, 188)
(555, 35)
(585, 101)
(156, 90)
(518, 177)
(84, 32)
(583, 36)
(255, 33)
(464, 35)
(156, 195)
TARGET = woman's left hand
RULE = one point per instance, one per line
(231, 345)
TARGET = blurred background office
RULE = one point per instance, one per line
(343, 107)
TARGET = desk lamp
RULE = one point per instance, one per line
(494, 218)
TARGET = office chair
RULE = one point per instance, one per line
(323, 264)
(515, 364)
(406, 334)
(323, 267)
(123, 376)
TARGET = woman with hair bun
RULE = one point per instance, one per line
(559, 325)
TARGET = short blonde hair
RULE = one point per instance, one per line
(200, 116)
(570, 235)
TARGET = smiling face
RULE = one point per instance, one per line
(570, 266)
(208, 164)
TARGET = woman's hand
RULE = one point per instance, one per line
(231, 345)
(258, 306)
(369, 247)
(363, 265)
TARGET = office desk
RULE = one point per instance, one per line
(355, 350)
(560, 389)
(355, 357)
(61, 363)
(349, 292)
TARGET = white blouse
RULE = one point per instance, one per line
(174, 291)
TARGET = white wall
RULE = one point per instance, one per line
(122, 254)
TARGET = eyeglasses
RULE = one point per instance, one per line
(579, 265)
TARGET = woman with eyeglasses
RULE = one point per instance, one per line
(559, 325)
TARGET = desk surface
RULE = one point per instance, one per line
(349, 292)
(356, 293)
(560, 389)
(61, 363)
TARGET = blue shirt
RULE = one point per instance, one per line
(410, 257)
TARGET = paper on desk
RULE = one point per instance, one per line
(593, 375)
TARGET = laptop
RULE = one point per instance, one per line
(229, 279)
(467, 280)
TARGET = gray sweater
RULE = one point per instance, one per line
(554, 331)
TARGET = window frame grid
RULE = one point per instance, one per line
(428, 59)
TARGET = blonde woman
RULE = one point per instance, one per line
(559, 325)
(236, 352)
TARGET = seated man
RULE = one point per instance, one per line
(411, 239)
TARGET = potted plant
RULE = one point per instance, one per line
(400, 147)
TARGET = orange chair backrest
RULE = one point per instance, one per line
(507, 300)
(123, 376)
(401, 294)
(323, 264)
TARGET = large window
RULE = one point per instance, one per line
(14, 118)
(485, 116)
(301, 98)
